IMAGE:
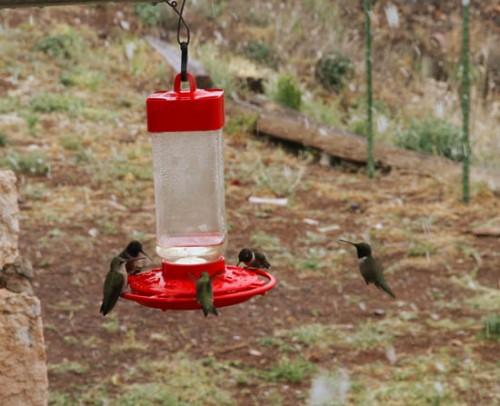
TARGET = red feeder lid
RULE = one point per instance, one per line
(185, 110)
(172, 287)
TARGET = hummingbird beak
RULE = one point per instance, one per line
(147, 256)
(238, 264)
(348, 242)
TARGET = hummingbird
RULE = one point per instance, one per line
(131, 254)
(370, 267)
(253, 259)
(205, 294)
(115, 283)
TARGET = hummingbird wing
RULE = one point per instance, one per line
(372, 270)
(369, 268)
(113, 286)
(261, 260)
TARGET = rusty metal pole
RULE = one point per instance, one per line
(46, 3)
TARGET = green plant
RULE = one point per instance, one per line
(3, 139)
(260, 52)
(58, 46)
(491, 329)
(70, 143)
(294, 371)
(148, 14)
(333, 69)
(465, 102)
(30, 163)
(288, 92)
(432, 136)
(31, 121)
(53, 102)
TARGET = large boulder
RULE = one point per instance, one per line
(23, 364)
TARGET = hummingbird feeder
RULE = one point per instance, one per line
(186, 137)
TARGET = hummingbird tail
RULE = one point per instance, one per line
(382, 285)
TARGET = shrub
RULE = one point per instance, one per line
(29, 163)
(333, 69)
(59, 46)
(49, 103)
(3, 139)
(148, 14)
(288, 93)
(432, 136)
(492, 327)
(261, 52)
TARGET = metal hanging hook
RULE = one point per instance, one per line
(183, 44)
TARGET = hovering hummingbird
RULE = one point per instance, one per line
(131, 254)
(205, 294)
(370, 267)
(253, 259)
(115, 283)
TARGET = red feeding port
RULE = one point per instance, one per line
(172, 287)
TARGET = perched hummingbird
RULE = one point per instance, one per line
(253, 259)
(370, 267)
(131, 254)
(114, 284)
(205, 294)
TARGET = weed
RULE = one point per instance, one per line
(31, 163)
(59, 46)
(288, 93)
(294, 371)
(421, 248)
(31, 121)
(146, 394)
(260, 52)
(68, 366)
(148, 14)
(112, 324)
(310, 334)
(432, 136)
(333, 69)
(265, 242)
(8, 104)
(491, 329)
(3, 139)
(70, 143)
(130, 343)
(241, 124)
(52, 102)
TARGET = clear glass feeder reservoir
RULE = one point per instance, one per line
(186, 136)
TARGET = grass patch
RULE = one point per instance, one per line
(294, 371)
(432, 136)
(129, 343)
(287, 92)
(31, 163)
(46, 103)
(68, 367)
(190, 381)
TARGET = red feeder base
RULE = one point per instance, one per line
(172, 287)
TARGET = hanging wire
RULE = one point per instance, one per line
(183, 44)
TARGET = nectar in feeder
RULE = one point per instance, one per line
(186, 136)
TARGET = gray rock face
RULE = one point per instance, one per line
(9, 223)
(23, 364)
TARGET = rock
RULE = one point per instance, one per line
(9, 223)
(23, 369)
(17, 276)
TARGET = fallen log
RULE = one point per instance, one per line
(292, 126)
